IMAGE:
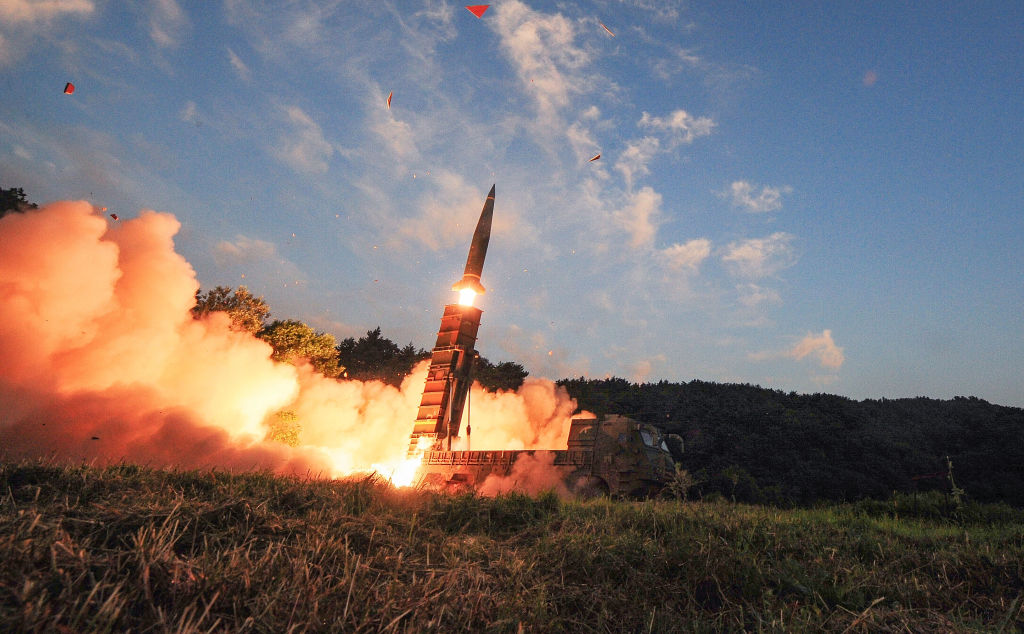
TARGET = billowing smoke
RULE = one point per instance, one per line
(531, 474)
(103, 362)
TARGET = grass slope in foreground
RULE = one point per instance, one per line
(129, 548)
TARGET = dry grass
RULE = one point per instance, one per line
(127, 548)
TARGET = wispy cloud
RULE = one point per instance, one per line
(259, 258)
(41, 10)
(819, 347)
(244, 249)
(688, 256)
(676, 129)
(752, 295)
(303, 146)
(543, 49)
(768, 199)
(760, 257)
(639, 218)
(189, 113)
(23, 21)
(680, 126)
(241, 69)
(633, 160)
(166, 22)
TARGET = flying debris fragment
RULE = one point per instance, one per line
(390, 94)
(114, 216)
(595, 157)
(478, 9)
(606, 29)
(69, 88)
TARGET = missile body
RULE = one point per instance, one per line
(478, 249)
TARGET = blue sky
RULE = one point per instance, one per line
(819, 197)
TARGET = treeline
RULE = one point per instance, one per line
(760, 445)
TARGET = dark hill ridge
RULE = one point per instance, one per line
(763, 445)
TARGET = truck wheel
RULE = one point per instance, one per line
(591, 487)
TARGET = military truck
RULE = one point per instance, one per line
(614, 455)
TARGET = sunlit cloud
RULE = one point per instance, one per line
(543, 49)
(40, 10)
(768, 199)
(303, 147)
(640, 217)
(686, 257)
(244, 249)
(819, 347)
(680, 126)
(760, 257)
(633, 160)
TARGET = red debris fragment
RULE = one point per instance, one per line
(69, 88)
(478, 9)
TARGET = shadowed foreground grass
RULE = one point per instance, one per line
(127, 548)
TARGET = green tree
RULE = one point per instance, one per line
(506, 375)
(293, 340)
(247, 312)
(377, 358)
(14, 199)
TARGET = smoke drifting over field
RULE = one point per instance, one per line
(103, 362)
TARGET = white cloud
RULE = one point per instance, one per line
(752, 295)
(543, 50)
(760, 257)
(244, 249)
(166, 21)
(39, 10)
(633, 160)
(821, 347)
(769, 199)
(680, 257)
(240, 67)
(188, 113)
(640, 217)
(680, 125)
(304, 148)
(259, 258)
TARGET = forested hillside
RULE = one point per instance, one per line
(763, 445)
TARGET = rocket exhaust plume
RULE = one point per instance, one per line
(103, 362)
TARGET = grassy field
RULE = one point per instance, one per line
(126, 548)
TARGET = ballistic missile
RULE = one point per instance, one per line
(478, 250)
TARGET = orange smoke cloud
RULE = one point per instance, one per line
(103, 362)
(530, 474)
